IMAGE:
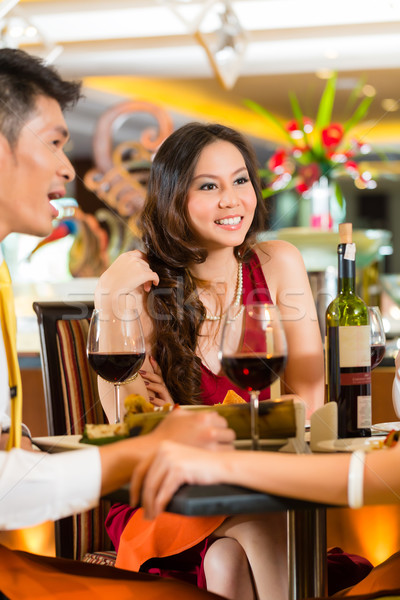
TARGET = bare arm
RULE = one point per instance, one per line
(123, 286)
(206, 429)
(287, 279)
(319, 478)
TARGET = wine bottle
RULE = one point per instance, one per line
(347, 346)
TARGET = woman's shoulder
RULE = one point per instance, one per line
(278, 251)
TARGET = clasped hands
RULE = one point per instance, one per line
(187, 459)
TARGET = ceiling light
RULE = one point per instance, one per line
(30, 31)
(15, 31)
(324, 73)
(368, 90)
(390, 105)
(225, 43)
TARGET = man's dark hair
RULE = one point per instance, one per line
(23, 78)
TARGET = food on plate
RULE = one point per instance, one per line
(104, 433)
(140, 417)
(276, 421)
(233, 398)
(392, 438)
(135, 403)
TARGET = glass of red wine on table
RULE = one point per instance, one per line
(116, 349)
(253, 352)
(378, 337)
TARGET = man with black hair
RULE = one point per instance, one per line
(34, 486)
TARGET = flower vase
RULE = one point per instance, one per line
(327, 211)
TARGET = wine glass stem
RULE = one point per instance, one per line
(255, 437)
(117, 403)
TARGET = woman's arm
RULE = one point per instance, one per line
(204, 429)
(122, 287)
(320, 478)
(288, 282)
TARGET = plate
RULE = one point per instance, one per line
(350, 444)
(59, 443)
(385, 428)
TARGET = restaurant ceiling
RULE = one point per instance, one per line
(148, 49)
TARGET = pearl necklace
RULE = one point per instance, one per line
(236, 301)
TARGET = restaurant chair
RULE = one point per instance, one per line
(72, 400)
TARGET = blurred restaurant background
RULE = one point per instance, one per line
(316, 88)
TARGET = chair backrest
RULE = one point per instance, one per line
(72, 400)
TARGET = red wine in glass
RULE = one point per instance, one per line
(377, 354)
(253, 352)
(116, 367)
(116, 349)
(378, 336)
(253, 372)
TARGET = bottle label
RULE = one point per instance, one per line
(355, 378)
(364, 418)
(354, 346)
(350, 252)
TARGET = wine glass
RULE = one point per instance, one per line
(378, 337)
(253, 352)
(116, 349)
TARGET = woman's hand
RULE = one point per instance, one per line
(205, 429)
(130, 272)
(156, 480)
(156, 388)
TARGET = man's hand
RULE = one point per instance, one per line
(205, 428)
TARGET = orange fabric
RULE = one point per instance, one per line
(166, 535)
(25, 576)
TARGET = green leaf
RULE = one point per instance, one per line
(263, 112)
(298, 114)
(266, 173)
(325, 108)
(355, 94)
(268, 192)
(359, 114)
(338, 194)
(324, 114)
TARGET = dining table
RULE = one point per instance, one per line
(306, 521)
(306, 526)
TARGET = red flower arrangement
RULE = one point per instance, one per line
(316, 149)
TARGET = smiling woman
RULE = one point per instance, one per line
(221, 197)
(202, 213)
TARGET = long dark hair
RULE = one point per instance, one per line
(172, 247)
